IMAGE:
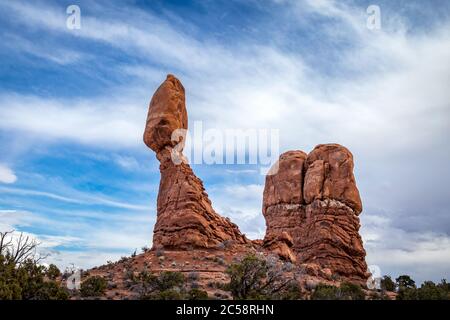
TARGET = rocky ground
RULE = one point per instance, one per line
(203, 267)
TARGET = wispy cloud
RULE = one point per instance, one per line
(7, 175)
(83, 199)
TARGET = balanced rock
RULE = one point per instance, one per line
(185, 217)
(166, 114)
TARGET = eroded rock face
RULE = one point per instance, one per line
(281, 199)
(329, 175)
(330, 238)
(284, 184)
(166, 113)
(185, 217)
(314, 199)
(280, 244)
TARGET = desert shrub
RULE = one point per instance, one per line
(387, 284)
(405, 281)
(170, 294)
(406, 288)
(21, 275)
(445, 287)
(129, 275)
(193, 276)
(407, 294)
(258, 278)
(430, 291)
(292, 292)
(168, 285)
(197, 294)
(53, 272)
(93, 287)
(165, 286)
(351, 291)
(27, 282)
(347, 291)
(325, 292)
(168, 280)
(51, 290)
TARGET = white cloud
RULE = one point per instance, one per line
(98, 121)
(81, 243)
(57, 55)
(242, 204)
(7, 175)
(424, 255)
(127, 162)
(82, 199)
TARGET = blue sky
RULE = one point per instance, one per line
(75, 174)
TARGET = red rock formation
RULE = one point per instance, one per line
(282, 200)
(284, 183)
(185, 217)
(166, 113)
(329, 175)
(330, 238)
(315, 200)
(311, 203)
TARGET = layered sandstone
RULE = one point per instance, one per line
(282, 198)
(185, 217)
(329, 175)
(315, 200)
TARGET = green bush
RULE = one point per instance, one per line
(347, 291)
(197, 294)
(26, 281)
(407, 294)
(351, 291)
(246, 277)
(325, 292)
(165, 286)
(406, 288)
(257, 278)
(292, 292)
(431, 291)
(405, 282)
(167, 280)
(93, 287)
(387, 284)
(53, 272)
(169, 294)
